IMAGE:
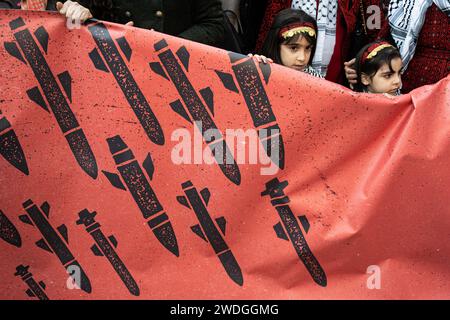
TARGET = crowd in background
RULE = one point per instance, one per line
(375, 46)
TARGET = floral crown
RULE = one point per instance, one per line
(299, 27)
(373, 50)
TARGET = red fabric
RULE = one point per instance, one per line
(88, 131)
(296, 25)
(273, 7)
(345, 25)
(335, 71)
(383, 32)
(431, 61)
(372, 48)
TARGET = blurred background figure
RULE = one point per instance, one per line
(8, 5)
(37, 5)
(196, 20)
(246, 16)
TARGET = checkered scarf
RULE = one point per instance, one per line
(406, 18)
(39, 5)
(325, 14)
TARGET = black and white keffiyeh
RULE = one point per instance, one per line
(325, 14)
(310, 70)
(406, 18)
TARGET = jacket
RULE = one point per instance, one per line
(196, 20)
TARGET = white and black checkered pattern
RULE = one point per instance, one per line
(406, 18)
(325, 13)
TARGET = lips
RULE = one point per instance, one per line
(300, 68)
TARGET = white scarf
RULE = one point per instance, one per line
(325, 15)
(406, 18)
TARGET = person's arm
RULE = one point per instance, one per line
(207, 25)
(51, 5)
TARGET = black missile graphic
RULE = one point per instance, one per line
(10, 147)
(194, 109)
(141, 191)
(289, 229)
(105, 247)
(35, 289)
(257, 101)
(54, 241)
(208, 229)
(8, 231)
(117, 66)
(59, 103)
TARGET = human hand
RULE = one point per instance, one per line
(350, 72)
(130, 23)
(260, 58)
(74, 11)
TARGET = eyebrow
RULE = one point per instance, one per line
(299, 45)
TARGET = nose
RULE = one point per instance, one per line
(397, 80)
(301, 56)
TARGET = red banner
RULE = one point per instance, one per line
(138, 165)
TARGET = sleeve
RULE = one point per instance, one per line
(208, 24)
(96, 12)
(51, 5)
(8, 5)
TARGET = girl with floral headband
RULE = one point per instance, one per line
(379, 69)
(291, 41)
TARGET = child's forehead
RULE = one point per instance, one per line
(396, 64)
(298, 39)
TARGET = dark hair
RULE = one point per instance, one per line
(273, 41)
(371, 66)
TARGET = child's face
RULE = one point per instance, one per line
(296, 55)
(385, 81)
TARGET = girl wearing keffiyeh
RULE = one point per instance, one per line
(291, 41)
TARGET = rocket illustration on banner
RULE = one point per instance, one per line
(54, 241)
(255, 96)
(35, 289)
(10, 147)
(58, 93)
(289, 229)
(113, 62)
(8, 231)
(140, 189)
(211, 231)
(105, 246)
(194, 110)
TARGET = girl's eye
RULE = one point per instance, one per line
(387, 76)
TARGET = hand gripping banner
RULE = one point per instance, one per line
(135, 165)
